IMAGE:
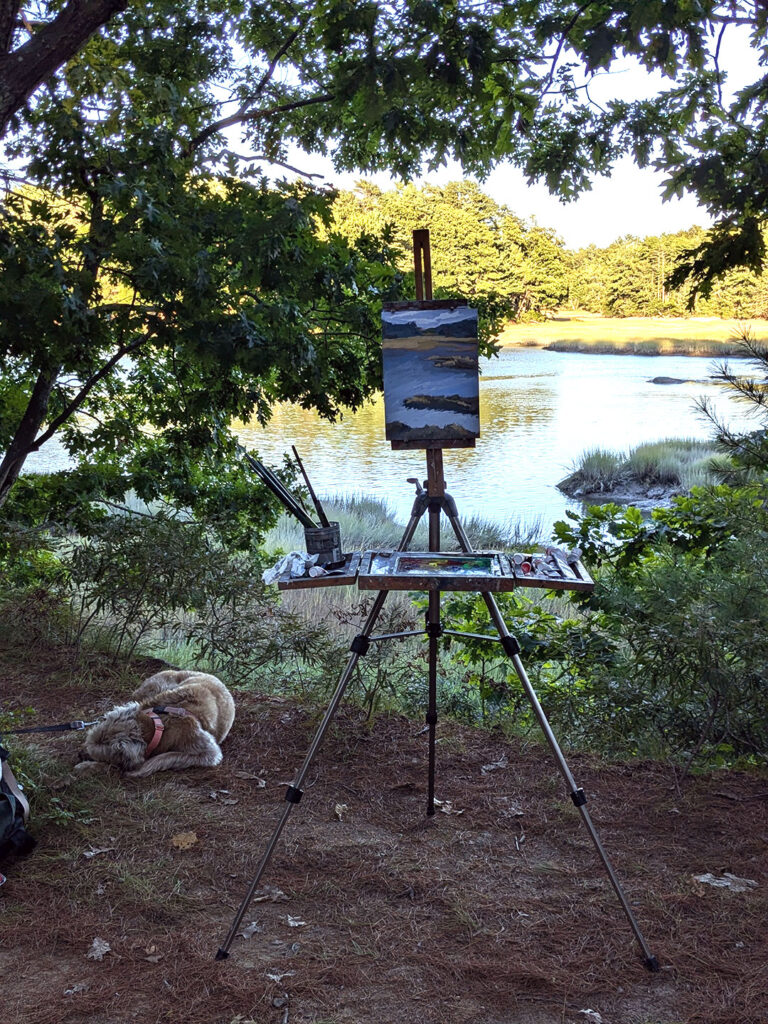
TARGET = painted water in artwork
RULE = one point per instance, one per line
(431, 390)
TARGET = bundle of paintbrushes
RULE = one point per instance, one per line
(325, 540)
(289, 501)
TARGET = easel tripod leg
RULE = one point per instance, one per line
(294, 792)
(433, 631)
(577, 795)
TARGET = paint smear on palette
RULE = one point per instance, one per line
(430, 369)
(421, 565)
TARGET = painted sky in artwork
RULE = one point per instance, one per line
(430, 374)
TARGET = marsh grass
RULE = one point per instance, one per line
(367, 522)
(633, 335)
(597, 470)
(673, 464)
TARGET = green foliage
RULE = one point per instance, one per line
(643, 277)
(683, 595)
(155, 284)
(480, 249)
(559, 653)
(668, 656)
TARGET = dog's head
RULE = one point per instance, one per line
(117, 739)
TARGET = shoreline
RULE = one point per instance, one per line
(587, 333)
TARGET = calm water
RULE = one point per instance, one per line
(539, 411)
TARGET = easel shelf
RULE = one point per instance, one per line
(343, 577)
(378, 570)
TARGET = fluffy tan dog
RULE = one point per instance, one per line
(175, 720)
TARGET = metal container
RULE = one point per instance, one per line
(325, 542)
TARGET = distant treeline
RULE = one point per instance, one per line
(482, 250)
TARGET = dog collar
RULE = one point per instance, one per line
(157, 736)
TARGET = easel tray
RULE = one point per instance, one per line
(550, 573)
(492, 572)
(489, 572)
(429, 570)
(343, 577)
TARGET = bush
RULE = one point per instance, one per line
(683, 596)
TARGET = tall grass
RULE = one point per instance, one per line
(574, 331)
(597, 471)
(367, 522)
(674, 464)
(703, 347)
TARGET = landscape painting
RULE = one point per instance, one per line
(430, 370)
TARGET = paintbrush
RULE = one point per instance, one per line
(315, 500)
(284, 496)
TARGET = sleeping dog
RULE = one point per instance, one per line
(174, 720)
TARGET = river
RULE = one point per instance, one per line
(539, 411)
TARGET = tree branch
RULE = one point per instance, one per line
(9, 15)
(563, 39)
(266, 77)
(22, 443)
(84, 391)
(241, 117)
(28, 66)
(277, 163)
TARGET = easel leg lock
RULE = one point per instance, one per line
(293, 794)
(579, 797)
(431, 718)
(510, 645)
(360, 644)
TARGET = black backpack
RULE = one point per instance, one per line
(15, 841)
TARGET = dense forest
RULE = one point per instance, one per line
(481, 248)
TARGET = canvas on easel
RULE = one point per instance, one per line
(430, 370)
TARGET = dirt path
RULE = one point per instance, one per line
(496, 913)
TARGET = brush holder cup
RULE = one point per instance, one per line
(325, 542)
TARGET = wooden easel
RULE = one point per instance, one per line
(434, 499)
(435, 487)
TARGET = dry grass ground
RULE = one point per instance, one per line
(588, 332)
(498, 913)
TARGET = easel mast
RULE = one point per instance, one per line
(422, 261)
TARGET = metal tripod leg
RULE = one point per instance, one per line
(577, 795)
(294, 792)
(436, 488)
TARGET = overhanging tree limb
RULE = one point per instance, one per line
(24, 69)
(27, 439)
(243, 117)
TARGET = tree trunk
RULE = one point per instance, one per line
(24, 440)
(24, 69)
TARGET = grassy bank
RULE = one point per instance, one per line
(367, 522)
(652, 336)
(673, 465)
